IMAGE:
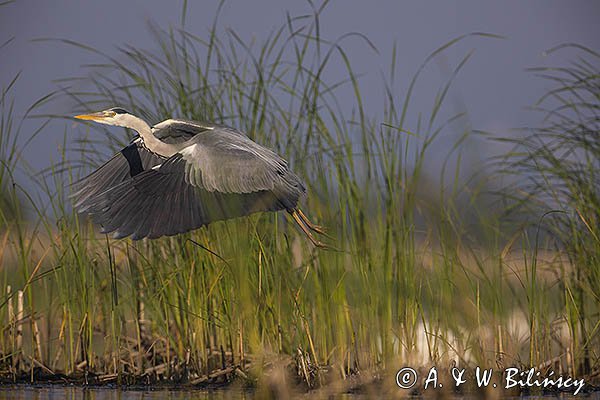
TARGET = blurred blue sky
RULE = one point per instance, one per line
(493, 88)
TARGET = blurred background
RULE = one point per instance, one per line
(494, 88)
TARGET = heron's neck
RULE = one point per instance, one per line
(150, 141)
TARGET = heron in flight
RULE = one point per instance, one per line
(179, 175)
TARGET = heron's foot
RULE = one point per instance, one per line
(307, 226)
(321, 245)
(319, 229)
(318, 243)
(314, 227)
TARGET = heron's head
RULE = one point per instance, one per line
(115, 116)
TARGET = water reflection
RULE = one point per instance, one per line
(47, 392)
(78, 393)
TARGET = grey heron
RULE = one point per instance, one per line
(179, 175)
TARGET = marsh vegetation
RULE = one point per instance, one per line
(495, 268)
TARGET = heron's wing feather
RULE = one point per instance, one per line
(225, 161)
(129, 162)
(179, 130)
(159, 202)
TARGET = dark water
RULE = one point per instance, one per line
(78, 393)
(22, 392)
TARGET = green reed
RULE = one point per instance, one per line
(561, 159)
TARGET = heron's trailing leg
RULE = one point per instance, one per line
(301, 223)
(316, 228)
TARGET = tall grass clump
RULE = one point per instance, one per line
(20, 263)
(556, 173)
(7, 155)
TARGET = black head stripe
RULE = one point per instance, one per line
(119, 110)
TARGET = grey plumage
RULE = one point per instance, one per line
(196, 174)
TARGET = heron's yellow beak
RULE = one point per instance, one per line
(99, 116)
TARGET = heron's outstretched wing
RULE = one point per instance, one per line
(213, 178)
(132, 160)
(129, 162)
(159, 202)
